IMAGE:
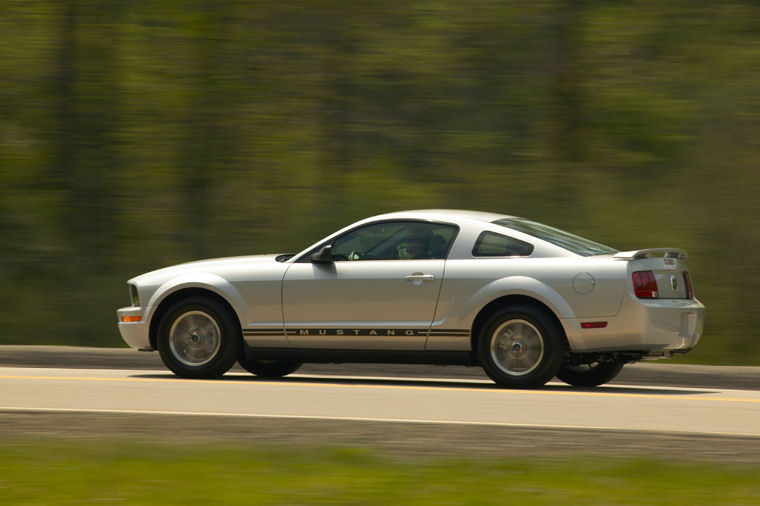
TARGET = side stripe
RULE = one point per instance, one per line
(356, 332)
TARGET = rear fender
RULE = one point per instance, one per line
(519, 285)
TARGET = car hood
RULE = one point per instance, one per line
(213, 265)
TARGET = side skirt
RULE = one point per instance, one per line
(324, 356)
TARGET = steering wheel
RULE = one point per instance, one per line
(354, 255)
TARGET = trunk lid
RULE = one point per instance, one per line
(668, 267)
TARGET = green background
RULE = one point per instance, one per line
(139, 134)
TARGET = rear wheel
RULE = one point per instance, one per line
(520, 347)
(268, 368)
(591, 374)
(198, 338)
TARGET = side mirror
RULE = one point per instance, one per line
(323, 256)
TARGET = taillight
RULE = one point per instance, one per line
(645, 285)
(689, 286)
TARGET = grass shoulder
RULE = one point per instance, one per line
(60, 471)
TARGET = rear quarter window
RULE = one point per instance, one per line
(565, 240)
(491, 244)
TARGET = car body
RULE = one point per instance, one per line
(521, 299)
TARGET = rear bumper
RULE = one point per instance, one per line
(646, 325)
(135, 334)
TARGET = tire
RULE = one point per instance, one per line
(520, 347)
(589, 375)
(199, 338)
(268, 368)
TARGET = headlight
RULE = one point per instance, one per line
(133, 296)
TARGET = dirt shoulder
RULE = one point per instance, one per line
(404, 440)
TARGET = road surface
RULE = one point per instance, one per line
(408, 415)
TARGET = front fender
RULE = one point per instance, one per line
(206, 281)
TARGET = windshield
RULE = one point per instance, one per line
(566, 240)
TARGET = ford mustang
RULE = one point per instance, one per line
(523, 300)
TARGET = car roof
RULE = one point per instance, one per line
(442, 214)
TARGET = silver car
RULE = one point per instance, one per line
(523, 300)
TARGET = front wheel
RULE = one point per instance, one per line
(198, 338)
(589, 375)
(520, 347)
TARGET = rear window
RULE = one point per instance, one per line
(491, 244)
(566, 240)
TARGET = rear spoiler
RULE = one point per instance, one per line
(651, 253)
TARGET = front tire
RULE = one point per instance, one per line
(198, 338)
(520, 347)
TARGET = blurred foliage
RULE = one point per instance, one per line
(139, 134)
(46, 471)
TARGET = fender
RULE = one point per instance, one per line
(517, 285)
(207, 281)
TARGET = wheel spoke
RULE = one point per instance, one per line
(182, 326)
(518, 331)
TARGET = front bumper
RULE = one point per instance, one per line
(135, 333)
(654, 325)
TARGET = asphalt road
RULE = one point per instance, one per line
(692, 412)
(661, 373)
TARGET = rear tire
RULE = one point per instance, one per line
(268, 368)
(589, 375)
(199, 338)
(520, 347)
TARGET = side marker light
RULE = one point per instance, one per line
(593, 325)
(131, 319)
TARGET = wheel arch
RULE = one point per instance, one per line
(174, 297)
(505, 301)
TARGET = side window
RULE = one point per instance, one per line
(491, 244)
(373, 242)
(426, 241)
(395, 241)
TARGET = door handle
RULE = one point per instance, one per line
(418, 276)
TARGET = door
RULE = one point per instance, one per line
(379, 292)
